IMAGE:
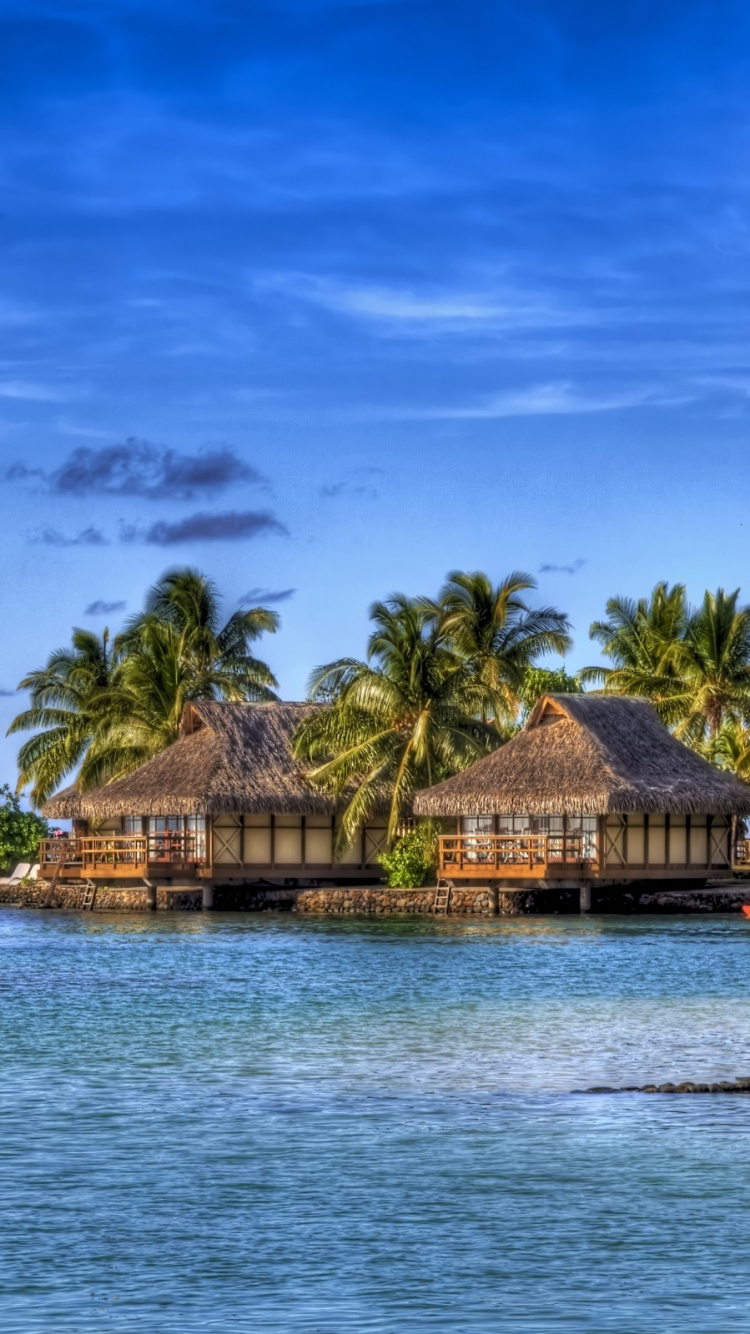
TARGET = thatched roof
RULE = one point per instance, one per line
(230, 757)
(64, 805)
(588, 755)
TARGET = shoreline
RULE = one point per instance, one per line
(379, 900)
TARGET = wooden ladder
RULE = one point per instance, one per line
(89, 897)
(443, 897)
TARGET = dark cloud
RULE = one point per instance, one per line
(354, 484)
(90, 537)
(138, 468)
(233, 526)
(256, 597)
(18, 471)
(100, 608)
(563, 569)
(6, 694)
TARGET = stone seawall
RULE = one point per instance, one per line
(373, 900)
(382, 901)
(379, 900)
(107, 899)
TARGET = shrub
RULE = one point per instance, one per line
(21, 832)
(412, 859)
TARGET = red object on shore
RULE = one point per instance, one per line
(746, 909)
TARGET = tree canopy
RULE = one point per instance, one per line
(440, 688)
(104, 708)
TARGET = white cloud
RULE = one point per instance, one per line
(30, 390)
(439, 311)
(555, 399)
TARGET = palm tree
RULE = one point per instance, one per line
(713, 659)
(496, 633)
(121, 707)
(642, 641)
(216, 657)
(65, 713)
(406, 718)
(730, 748)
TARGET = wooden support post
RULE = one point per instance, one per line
(208, 897)
(585, 898)
(150, 895)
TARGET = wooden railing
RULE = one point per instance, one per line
(128, 855)
(88, 855)
(516, 854)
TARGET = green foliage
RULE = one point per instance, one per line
(439, 690)
(412, 860)
(411, 715)
(108, 708)
(693, 664)
(540, 681)
(21, 832)
(730, 748)
(497, 634)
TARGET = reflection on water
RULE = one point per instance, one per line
(239, 1123)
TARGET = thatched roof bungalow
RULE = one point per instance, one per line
(227, 800)
(593, 785)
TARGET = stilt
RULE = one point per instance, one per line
(585, 898)
(208, 897)
(150, 895)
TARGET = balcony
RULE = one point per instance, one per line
(518, 856)
(133, 856)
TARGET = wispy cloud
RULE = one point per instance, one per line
(572, 568)
(138, 468)
(101, 608)
(560, 398)
(446, 310)
(6, 694)
(31, 390)
(256, 597)
(52, 537)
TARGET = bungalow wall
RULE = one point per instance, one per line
(247, 845)
(688, 843)
(286, 843)
(631, 844)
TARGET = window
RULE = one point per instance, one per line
(176, 838)
(587, 825)
(477, 824)
(478, 847)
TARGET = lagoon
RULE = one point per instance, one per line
(225, 1122)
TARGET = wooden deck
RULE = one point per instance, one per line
(127, 857)
(554, 857)
(518, 856)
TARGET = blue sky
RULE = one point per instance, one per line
(375, 291)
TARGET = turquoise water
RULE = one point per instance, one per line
(220, 1123)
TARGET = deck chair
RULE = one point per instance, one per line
(34, 872)
(18, 875)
